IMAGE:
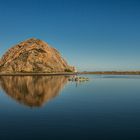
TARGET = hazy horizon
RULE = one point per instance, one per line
(91, 35)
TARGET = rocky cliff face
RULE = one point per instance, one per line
(33, 55)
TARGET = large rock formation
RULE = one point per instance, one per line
(33, 55)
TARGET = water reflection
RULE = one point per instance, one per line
(32, 91)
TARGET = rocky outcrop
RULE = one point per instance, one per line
(32, 91)
(33, 55)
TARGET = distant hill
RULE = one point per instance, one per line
(33, 55)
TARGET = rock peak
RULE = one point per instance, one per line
(33, 40)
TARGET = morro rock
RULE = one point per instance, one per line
(33, 55)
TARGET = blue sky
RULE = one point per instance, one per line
(90, 34)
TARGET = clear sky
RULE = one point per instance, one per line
(90, 34)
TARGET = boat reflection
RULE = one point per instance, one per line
(32, 91)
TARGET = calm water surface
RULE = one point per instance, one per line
(106, 107)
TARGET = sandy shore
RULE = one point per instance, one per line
(36, 74)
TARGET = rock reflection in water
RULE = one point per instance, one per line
(32, 91)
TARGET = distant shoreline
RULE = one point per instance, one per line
(74, 73)
(113, 72)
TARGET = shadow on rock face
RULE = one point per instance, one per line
(32, 91)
